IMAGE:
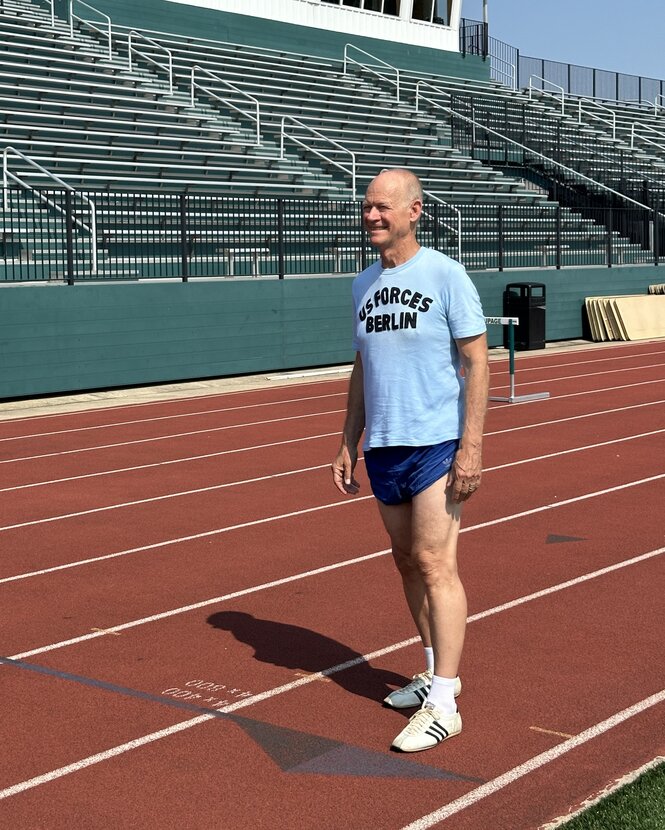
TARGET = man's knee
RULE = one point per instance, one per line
(405, 562)
(436, 566)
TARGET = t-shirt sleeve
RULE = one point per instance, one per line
(465, 313)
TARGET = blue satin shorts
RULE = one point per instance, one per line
(397, 474)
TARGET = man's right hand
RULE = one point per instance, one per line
(342, 470)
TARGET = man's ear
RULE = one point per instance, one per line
(416, 210)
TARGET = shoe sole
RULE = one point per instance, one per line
(423, 748)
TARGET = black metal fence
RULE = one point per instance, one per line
(507, 62)
(57, 236)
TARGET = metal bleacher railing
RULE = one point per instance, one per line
(584, 81)
(186, 236)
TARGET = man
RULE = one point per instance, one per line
(418, 323)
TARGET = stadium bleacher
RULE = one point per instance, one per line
(131, 121)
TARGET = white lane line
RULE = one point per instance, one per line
(284, 473)
(579, 377)
(523, 368)
(571, 418)
(600, 391)
(173, 461)
(296, 417)
(144, 740)
(492, 787)
(173, 435)
(165, 496)
(203, 412)
(166, 417)
(176, 611)
(305, 438)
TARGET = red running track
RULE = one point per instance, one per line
(198, 631)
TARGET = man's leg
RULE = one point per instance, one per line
(435, 522)
(397, 522)
(435, 525)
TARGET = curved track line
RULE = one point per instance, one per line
(534, 763)
(281, 474)
(287, 687)
(254, 589)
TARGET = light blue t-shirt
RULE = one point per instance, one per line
(406, 321)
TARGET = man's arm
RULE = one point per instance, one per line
(344, 465)
(466, 472)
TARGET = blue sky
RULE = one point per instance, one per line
(621, 35)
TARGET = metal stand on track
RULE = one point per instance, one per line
(511, 322)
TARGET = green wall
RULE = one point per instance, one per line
(58, 338)
(192, 21)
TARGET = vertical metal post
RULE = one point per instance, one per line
(69, 233)
(656, 233)
(511, 358)
(558, 236)
(184, 253)
(500, 233)
(435, 230)
(609, 237)
(280, 237)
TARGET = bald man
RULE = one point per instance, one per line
(418, 390)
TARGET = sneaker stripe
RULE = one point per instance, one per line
(437, 737)
(436, 730)
(421, 694)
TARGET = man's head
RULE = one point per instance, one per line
(391, 209)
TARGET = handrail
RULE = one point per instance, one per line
(92, 229)
(147, 57)
(656, 104)
(612, 121)
(512, 75)
(459, 221)
(431, 86)
(635, 126)
(256, 118)
(87, 22)
(544, 91)
(373, 71)
(283, 136)
(570, 170)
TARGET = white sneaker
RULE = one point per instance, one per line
(415, 692)
(427, 728)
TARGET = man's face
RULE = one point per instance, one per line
(387, 213)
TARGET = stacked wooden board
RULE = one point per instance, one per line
(627, 317)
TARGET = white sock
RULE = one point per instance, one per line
(442, 695)
(429, 657)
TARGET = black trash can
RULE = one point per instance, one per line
(525, 300)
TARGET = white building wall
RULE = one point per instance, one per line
(346, 20)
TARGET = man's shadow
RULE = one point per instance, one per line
(293, 647)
